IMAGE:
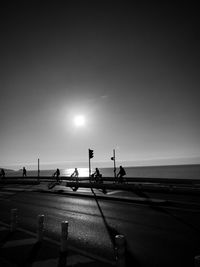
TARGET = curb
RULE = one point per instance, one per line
(106, 197)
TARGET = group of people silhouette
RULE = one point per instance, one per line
(3, 174)
(96, 176)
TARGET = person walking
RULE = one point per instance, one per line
(2, 174)
(121, 174)
(24, 172)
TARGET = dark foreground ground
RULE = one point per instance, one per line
(160, 223)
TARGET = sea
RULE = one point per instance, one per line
(191, 171)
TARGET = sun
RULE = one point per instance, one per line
(79, 120)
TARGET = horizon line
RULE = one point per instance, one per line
(108, 164)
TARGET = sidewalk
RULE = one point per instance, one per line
(21, 249)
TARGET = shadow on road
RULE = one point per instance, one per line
(112, 232)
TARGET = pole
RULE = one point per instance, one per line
(64, 236)
(38, 167)
(114, 163)
(89, 164)
(120, 251)
(40, 227)
(63, 245)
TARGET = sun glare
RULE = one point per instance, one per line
(79, 120)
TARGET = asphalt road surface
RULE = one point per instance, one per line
(156, 235)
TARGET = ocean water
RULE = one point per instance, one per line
(172, 171)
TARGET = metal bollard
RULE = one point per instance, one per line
(40, 228)
(120, 250)
(63, 246)
(64, 236)
(13, 220)
(197, 261)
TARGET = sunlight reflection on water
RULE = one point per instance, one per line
(83, 172)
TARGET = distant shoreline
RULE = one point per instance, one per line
(127, 167)
(184, 171)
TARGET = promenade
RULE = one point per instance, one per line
(21, 248)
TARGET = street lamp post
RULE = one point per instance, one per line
(114, 161)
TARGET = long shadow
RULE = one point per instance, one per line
(112, 232)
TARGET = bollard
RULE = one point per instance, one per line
(63, 246)
(13, 220)
(64, 236)
(197, 261)
(120, 250)
(40, 228)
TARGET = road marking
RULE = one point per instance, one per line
(20, 242)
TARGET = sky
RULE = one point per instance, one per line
(131, 71)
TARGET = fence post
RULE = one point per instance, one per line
(13, 220)
(120, 250)
(197, 261)
(40, 228)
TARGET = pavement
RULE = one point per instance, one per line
(141, 193)
(21, 249)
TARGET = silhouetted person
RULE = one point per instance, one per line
(2, 174)
(97, 175)
(57, 174)
(24, 172)
(121, 174)
(75, 174)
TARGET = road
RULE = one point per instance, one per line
(156, 235)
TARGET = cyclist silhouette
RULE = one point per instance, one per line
(75, 174)
(121, 174)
